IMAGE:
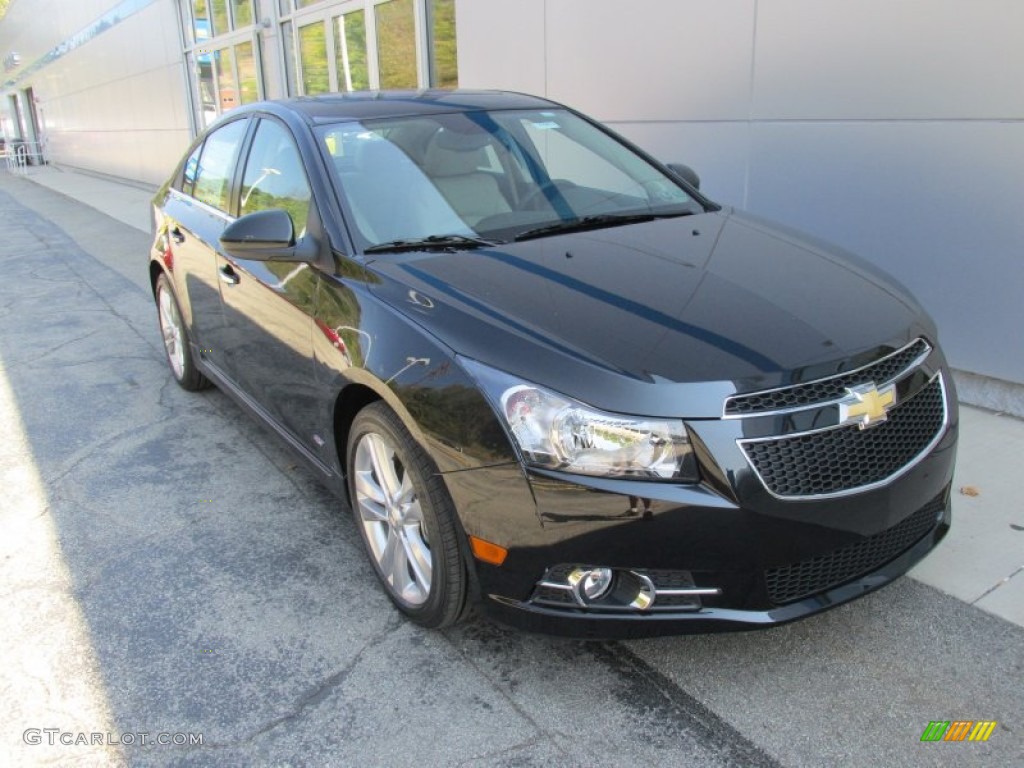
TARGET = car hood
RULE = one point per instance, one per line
(660, 318)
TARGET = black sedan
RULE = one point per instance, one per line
(547, 374)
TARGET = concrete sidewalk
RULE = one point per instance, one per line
(128, 203)
(981, 562)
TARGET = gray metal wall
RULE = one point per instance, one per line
(892, 127)
(114, 100)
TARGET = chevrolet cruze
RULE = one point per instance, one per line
(547, 374)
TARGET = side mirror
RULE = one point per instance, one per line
(266, 236)
(686, 173)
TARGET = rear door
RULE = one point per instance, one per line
(198, 214)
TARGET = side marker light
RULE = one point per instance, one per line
(487, 552)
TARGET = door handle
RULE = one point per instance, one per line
(178, 236)
(228, 275)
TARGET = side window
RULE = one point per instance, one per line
(217, 163)
(274, 177)
(191, 167)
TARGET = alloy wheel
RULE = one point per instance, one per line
(170, 328)
(392, 519)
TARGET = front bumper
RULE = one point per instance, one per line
(535, 617)
(772, 560)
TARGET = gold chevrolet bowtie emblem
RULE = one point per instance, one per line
(867, 405)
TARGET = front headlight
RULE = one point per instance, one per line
(556, 432)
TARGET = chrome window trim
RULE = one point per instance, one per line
(203, 206)
(915, 363)
(939, 434)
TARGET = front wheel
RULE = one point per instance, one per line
(175, 338)
(406, 519)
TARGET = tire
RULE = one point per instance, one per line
(406, 519)
(176, 341)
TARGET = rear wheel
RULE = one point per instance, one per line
(175, 338)
(406, 519)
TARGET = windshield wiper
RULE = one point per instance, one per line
(433, 242)
(596, 222)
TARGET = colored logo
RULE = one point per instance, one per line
(867, 405)
(958, 730)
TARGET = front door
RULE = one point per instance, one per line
(268, 305)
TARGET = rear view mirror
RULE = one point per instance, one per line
(686, 173)
(266, 236)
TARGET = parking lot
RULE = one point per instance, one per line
(169, 568)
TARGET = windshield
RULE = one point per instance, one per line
(490, 176)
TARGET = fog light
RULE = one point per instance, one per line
(591, 584)
(609, 590)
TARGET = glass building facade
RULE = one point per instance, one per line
(240, 51)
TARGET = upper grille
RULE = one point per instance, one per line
(787, 583)
(826, 390)
(845, 459)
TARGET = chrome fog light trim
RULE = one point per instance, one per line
(604, 589)
(645, 593)
(591, 584)
(696, 592)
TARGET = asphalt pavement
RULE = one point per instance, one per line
(171, 572)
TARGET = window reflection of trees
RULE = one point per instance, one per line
(274, 177)
(297, 207)
(399, 42)
(351, 65)
(313, 55)
(219, 10)
(248, 85)
(227, 89)
(215, 163)
(226, 76)
(241, 10)
(396, 44)
(444, 57)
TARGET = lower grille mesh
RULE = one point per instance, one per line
(788, 583)
(839, 460)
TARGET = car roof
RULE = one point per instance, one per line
(334, 107)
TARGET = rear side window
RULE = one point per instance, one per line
(274, 177)
(216, 165)
(188, 182)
